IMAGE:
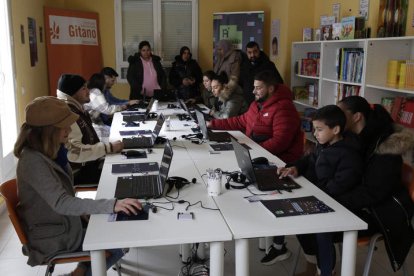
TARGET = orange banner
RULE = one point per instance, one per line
(73, 44)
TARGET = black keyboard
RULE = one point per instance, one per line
(137, 142)
(145, 185)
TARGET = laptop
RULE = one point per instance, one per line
(145, 141)
(132, 117)
(185, 108)
(210, 135)
(265, 178)
(164, 95)
(207, 117)
(146, 186)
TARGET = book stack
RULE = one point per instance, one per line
(349, 62)
(394, 71)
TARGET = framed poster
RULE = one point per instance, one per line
(239, 27)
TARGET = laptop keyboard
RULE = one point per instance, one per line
(145, 185)
(137, 142)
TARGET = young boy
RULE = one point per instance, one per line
(335, 166)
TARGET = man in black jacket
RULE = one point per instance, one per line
(253, 62)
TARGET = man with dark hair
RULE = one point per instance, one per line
(273, 122)
(85, 150)
(254, 61)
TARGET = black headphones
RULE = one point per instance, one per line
(184, 117)
(178, 182)
(236, 177)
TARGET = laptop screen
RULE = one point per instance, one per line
(202, 124)
(243, 160)
(158, 126)
(166, 162)
(149, 106)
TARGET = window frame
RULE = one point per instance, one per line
(157, 35)
(9, 161)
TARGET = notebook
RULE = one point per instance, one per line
(210, 135)
(145, 141)
(133, 116)
(265, 179)
(146, 186)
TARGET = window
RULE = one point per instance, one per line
(8, 124)
(166, 24)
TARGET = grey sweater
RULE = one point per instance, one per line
(48, 209)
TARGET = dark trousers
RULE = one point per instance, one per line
(89, 174)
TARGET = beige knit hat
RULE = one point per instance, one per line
(49, 111)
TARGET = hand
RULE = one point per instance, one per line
(128, 206)
(284, 172)
(186, 82)
(117, 146)
(190, 102)
(208, 124)
(124, 107)
(132, 102)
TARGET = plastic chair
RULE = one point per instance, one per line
(10, 194)
(371, 242)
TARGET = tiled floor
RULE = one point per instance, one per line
(154, 261)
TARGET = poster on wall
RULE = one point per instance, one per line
(239, 27)
(275, 35)
(31, 29)
(72, 43)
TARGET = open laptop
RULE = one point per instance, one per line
(265, 179)
(145, 141)
(185, 108)
(164, 95)
(207, 117)
(210, 135)
(146, 186)
(133, 116)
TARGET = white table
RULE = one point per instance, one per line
(162, 228)
(256, 221)
(253, 221)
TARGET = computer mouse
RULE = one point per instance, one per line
(260, 161)
(133, 153)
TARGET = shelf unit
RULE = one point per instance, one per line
(377, 53)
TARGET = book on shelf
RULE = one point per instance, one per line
(336, 31)
(314, 55)
(409, 74)
(349, 64)
(306, 119)
(394, 72)
(313, 94)
(348, 27)
(309, 67)
(360, 27)
(307, 34)
(345, 90)
(326, 32)
(407, 113)
(300, 93)
(317, 35)
(388, 103)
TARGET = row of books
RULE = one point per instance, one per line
(401, 109)
(306, 94)
(310, 65)
(400, 74)
(349, 63)
(350, 27)
(345, 90)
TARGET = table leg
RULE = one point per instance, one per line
(349, 253)
(217, 258)
(242, 257)
(98, 262)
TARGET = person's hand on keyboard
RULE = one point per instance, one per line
(117, 146)
(128, 206)
(284, 172)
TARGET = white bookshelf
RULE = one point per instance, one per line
(377, 53)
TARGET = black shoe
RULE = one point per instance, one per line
(274, 255)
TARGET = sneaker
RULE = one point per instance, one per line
(274, 255)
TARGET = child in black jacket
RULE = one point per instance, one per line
(335, 166)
